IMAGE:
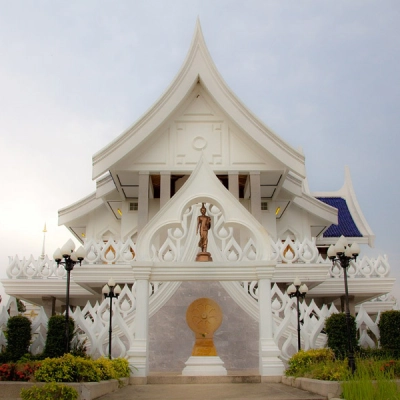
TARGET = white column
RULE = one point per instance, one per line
(269, 362)
(233, 183)
(138, 354)
(255, 194)
(143, 201)
(165, 187)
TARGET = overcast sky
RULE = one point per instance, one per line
(323, 75)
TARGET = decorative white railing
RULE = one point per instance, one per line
(124, 253)
(93, 323)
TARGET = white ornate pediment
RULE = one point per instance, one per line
(235, 235)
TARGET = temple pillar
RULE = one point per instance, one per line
(269, 362)
(143, 200)
(49, 305)
(255, 194)
(165, 187)
(233, 183)
(138, 353)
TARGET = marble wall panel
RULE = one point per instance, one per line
(171, 340)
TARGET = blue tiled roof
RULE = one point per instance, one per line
(346, 225)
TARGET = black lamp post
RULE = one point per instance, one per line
(343, 253)
(298, 290)
(70, 259)
(111, 291)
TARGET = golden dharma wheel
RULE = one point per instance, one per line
(204, 316)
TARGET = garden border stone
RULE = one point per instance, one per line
(330, 389)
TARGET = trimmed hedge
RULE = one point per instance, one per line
(18, 337)
(389, 327)
(336, 330)
(56, 340)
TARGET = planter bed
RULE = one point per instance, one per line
(86, 390)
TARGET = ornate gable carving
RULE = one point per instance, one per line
(171, 235)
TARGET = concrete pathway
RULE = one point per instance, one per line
(213, 391)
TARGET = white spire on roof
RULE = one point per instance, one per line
(44, 241)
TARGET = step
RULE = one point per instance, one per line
(165, 379)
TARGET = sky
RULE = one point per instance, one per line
(323, 75)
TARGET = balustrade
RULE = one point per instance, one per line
(114, 252)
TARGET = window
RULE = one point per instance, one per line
(133, 206)
(264, 205)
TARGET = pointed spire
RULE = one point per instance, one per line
(44, 242)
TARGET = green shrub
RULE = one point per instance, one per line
(329, 371)
(79, 369)
(56, 338)
(50, 391)
(68, 369)
(106, 367)
(302, 360)
(389, 327)
(87, 370)
(18, 337)
(121, 366)
(336, 330)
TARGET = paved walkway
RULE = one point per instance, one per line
(215, 391)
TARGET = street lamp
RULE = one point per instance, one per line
(343, 253)
(296, 289)
(111, 291)
(70, 259)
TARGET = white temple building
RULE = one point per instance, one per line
(199, 144)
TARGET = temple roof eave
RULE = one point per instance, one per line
(358, 287)
(78, 209)
(347, 192)
(32, 288)
(317, 207)
(375, 307)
